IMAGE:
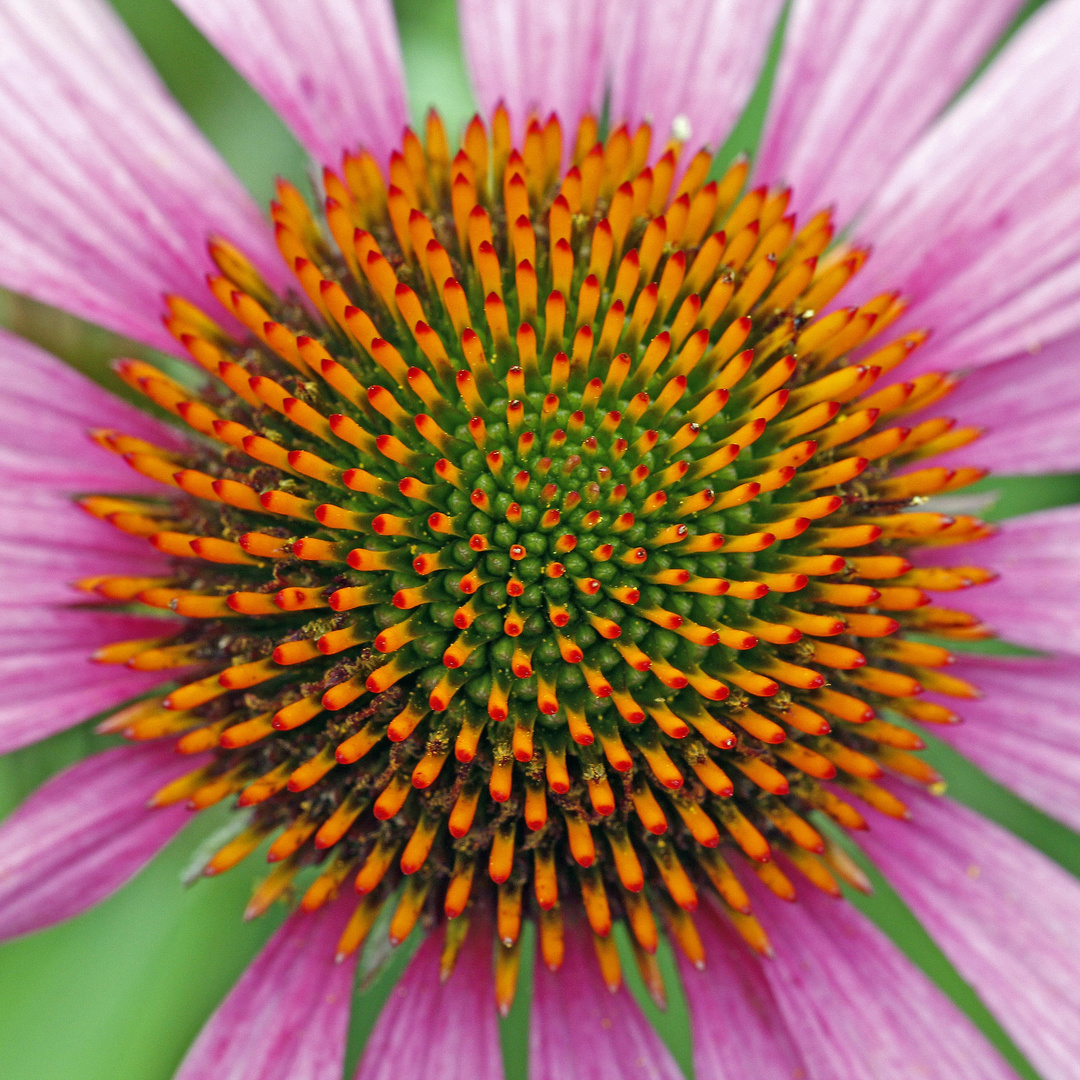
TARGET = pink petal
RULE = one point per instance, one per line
(857, 83)
(110, 190)
(581, 1030)
(698, 60)
(737, 1026)
(85, 833)
(53, 629)
(29, 717)
(980, 225)
(856, 1005)
(536, 57)
(41, 380)
(39, 703)
(47, 680)
(46, 543)
(331, 68)
(1003, 913)
(49, 408)
(1030, 408)
(287, 1017)
(1023, 731)
(36, 517)
(430, 1028)
(44, 575)
(1033, 601)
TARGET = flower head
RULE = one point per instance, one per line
(558, 608)
(548, 543)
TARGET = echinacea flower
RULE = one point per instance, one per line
(540, 532)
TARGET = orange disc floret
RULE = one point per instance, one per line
(559, 515)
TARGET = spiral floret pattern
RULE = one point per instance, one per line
(547, 547)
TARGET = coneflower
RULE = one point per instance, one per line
(548, 543)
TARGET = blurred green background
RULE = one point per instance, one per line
(119, 993)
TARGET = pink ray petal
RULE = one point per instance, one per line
(47, 543)
(433, 1028)
(46, 457)
(110, 190)
(288, 1016)
(36, 517)
(45, 384)
(980, 224)
(857, 84)
(47, 628)
(32, 630)
(697, 60)
(1029, 408)
(1032, 603)
(33, 710)
(331, 68)
(49, 409)
(856, 1005)
(44, 575)
(1003, 913)
(536, 57)
(738, 1029)
(85, 833)
(1023, 730)
(581, 1029)
(47, 680)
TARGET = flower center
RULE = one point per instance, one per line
(547, 550)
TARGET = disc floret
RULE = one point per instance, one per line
(546, 535)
